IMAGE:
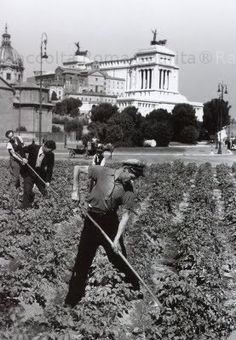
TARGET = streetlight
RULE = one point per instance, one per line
(43, 55)
(222, 89)
(18, 96)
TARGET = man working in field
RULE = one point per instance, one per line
(15, 148)
(41, 160)
(112, 188)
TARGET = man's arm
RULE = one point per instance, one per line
(16, 156)
(121, 229)
(103, 161)
(78, 169)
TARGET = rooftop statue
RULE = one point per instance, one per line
(154, 40)
(78, 52)
(154, 36)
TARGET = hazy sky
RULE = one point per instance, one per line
(201, 32)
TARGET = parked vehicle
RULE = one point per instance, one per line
(76, 149)
(79, 149)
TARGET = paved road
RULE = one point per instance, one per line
(199, 154)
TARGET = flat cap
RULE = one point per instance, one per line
(135, 165)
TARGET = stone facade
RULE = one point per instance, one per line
(8, 118)
(27, 105)
(151, 80)
(79, 77)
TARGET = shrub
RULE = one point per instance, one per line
(189, 135)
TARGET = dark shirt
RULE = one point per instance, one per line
(109, 193)
(46, 168)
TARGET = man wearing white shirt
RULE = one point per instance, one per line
(15, 146)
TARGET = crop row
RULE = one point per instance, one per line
(195, 292)
(39, 249)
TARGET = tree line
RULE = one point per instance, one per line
(129, 128)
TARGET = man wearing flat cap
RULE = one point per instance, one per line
(112, 188)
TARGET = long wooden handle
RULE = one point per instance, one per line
(125, 260)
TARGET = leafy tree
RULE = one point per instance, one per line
(118, 128)
(183, 115)
(159, 115)
(56, 128)
(102, 112)
(126, 126)
(98, 130)
(114, 133)
(137, 138)
(68, 106)
(203, 133)
(22, 128)
(215, 115)
(189, 135)
(161, 131)
(149, 129)
(164, 133)
(132, 112)
(57, 120)
(158, 126)
(74, 125)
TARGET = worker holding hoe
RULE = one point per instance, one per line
(112, 188)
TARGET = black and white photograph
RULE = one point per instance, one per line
(117, 170)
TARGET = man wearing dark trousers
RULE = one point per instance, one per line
(112, 188)
(41, 159)
(15, 148)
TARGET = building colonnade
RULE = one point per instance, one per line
(144, 79)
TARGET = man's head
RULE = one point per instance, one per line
(49, 146)
(100, 148)
(132, 169)
(9, 134)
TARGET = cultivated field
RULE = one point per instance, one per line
(181, 242)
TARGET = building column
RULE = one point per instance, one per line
(164, 80)
(168, 79)
(146, 78)
(130, 79)
(150, 78)
(160, 79)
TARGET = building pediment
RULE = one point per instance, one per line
(96, 73)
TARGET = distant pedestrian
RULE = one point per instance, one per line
(99, 158)
(15, 146)
(41, 159)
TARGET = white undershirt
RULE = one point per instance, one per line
(40, 157)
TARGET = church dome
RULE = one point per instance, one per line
(9, 57)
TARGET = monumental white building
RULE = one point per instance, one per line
(151, 79)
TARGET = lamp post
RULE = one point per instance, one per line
(222, 89)
(43, 55)
(18, 96)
